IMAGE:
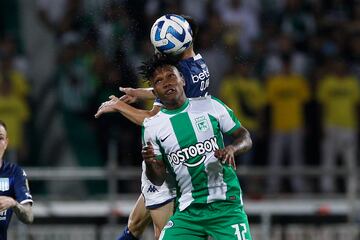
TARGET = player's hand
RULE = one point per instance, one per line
(148, 153)
(6, 203)
(130, 95)
(226, 156)
(108, 106)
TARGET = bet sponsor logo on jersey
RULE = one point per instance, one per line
(205, 74)
(199, 149)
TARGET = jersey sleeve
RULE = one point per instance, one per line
(148, 135)
(228, 122)
(21, 186)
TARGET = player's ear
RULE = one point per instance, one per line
(182, 78)
(153, 89)
(6, 142)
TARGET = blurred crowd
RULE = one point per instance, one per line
(290, 69)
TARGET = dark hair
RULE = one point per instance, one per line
(193, 24)
(3, 124)
(148, 68)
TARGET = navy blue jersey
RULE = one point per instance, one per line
(196, 75)
(14, 184)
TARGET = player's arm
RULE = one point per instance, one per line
(155, 168)
(135, 94)
(230, 125)
(241, 144)
(135, 115)
(22, 211)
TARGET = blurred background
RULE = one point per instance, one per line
(290, 69)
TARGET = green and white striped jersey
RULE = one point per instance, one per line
(185, 139)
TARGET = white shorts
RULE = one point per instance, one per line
(156, 196)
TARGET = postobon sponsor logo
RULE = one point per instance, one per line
(198, 149)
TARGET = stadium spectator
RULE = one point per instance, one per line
(339, 96)
(14, 189)
(213, 51)
(241, 19)
(8, 47)
(13, 107)
(244, 94)
(287, 94)
(76, 91)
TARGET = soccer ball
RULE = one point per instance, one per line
(171, 34)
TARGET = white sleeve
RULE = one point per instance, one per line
(228, 122)
(148, 135)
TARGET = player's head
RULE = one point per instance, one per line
(161, 72)
(193, 25)
(3, 138)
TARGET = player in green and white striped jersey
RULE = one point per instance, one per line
(185, 138)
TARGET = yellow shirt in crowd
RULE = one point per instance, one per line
(13, 108)
(14, 112)
(339, 98)
(287, 95)
(245, 97)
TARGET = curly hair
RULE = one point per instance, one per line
(148, 68)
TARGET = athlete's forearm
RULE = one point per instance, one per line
(156, 172)
(145, 94)
(243, 142)
(135, 115)
(24, 212)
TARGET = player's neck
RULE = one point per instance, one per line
(188, 53)
(177, 104)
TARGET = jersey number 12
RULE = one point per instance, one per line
(240, 234)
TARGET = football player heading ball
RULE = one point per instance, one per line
(158, 204)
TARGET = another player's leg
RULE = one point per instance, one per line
(160, 217)
(138, 220)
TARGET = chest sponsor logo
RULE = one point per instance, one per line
(202, 124)
(183, 155)
(4, 184)
(205, 74)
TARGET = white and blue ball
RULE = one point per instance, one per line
(171, 34)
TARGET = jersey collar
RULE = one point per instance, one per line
(174, 111)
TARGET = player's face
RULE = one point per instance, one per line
(168, 85)
(3, 141)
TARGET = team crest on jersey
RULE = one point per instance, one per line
(202, 124)
(4, 184)
(169, 224)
